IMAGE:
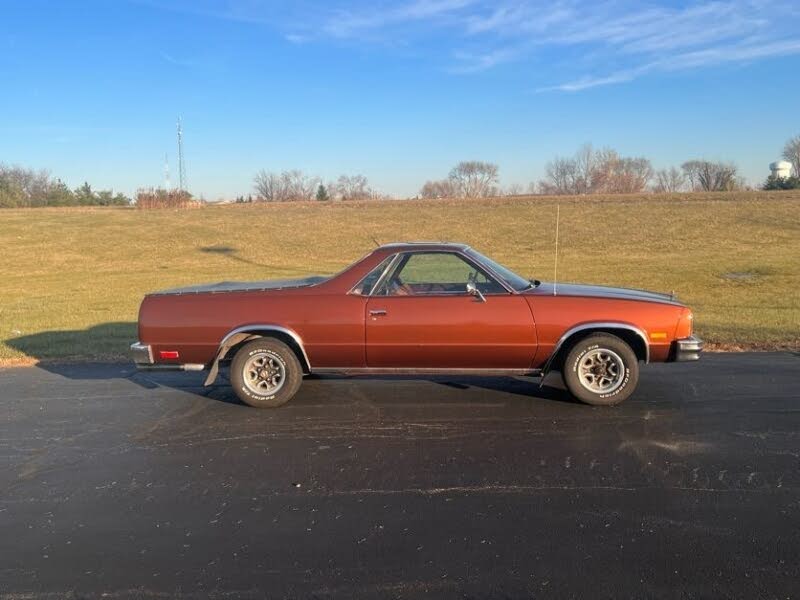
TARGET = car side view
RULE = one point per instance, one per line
(414, 308)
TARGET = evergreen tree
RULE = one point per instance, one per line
(781, 183)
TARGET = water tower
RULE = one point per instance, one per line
(781, 169)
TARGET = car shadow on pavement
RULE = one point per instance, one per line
(389, 390)
(92, 354)
(549, 388)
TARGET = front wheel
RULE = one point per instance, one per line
(265, 373)
(601, 370)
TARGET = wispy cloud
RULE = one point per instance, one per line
(475, 63)
(592, 42)
(642, 39)
(178, 62)
(588, 82)
(710, 57)
(196, 61)
(256, 12)
(348, 23)
(521, 18)
(297, 38)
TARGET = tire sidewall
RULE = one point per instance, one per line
(607, 342)
(280, 352)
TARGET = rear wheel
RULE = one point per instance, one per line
(265, 373)
(601, 370)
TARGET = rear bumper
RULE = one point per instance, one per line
(141, 354)
(687, 349)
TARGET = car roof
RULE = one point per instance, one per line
(417, 246)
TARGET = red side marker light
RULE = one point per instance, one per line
(168, 354)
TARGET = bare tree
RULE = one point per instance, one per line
(561, 176)
(433, 190)
(515, 189)
(596, 169)
(629, 176)
(791, 152)
(593, 171)
(11, 196)
(585, 169)
(474, 179)
(669, 181)
(268, 186)
(352, 187)
(287, 186)
(711, 176)
(690, 169)
(468, 179)
(34, 186)
(609, 173)
(299, 186)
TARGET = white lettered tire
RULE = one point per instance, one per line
(601, 370)
(265, 373)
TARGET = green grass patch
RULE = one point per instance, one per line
(71, 279)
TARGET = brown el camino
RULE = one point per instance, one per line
(414, 308)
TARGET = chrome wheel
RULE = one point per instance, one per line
(264, 374)
(601, 371)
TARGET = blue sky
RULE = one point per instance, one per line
(399, 91)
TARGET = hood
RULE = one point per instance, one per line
(244, 286)
(601, 291)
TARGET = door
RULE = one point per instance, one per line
(423, 317)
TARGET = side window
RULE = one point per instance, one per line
(365, 286)
(437, 273)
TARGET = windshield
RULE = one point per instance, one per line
(513, 280)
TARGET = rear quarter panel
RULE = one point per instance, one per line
(331, 325)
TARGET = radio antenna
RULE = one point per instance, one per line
(377, 243)
(555, 266)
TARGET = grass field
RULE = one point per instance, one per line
(71, 279)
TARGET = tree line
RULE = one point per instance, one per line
(604, 171)
(24, 188)
(588, 171)
(295, 185)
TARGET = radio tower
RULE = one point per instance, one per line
(181, 164)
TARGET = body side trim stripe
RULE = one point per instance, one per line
(424, 371)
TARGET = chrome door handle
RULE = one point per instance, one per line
(377, 313)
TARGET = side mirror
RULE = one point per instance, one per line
(473, 290)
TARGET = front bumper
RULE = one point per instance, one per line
(686, 349)
(141, 354)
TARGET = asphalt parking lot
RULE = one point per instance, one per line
(124, 485)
